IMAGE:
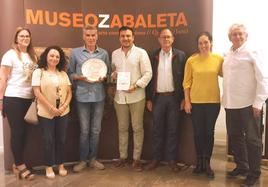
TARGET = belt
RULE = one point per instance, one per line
(165, 93)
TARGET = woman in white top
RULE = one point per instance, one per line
(16, 95)
(52, 89)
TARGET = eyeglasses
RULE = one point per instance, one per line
(166, 37)
(24, 36)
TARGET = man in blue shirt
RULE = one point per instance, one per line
(90, 97)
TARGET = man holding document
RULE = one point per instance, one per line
(132, 70)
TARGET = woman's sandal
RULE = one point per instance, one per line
(15, 171)
(23, 174)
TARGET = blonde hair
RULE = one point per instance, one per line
(30, 49)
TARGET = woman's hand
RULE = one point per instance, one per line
(188, 107)
(55, 111)
(63, 108)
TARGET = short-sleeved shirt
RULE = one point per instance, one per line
(19, 82)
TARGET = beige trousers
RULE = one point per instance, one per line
(136, 111)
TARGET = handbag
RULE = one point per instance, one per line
(31, 114)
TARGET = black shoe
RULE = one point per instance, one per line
(250, 181)
(236, 172)
(199, 166)
(209, 172)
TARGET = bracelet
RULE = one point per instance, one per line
(1, 101)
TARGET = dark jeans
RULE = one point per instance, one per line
(15, 108)
(204, 116)
(165, 125)
(244, 133)
(54, 135)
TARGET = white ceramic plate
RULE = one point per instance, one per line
(94, 68)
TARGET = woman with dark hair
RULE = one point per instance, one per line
(202, 99)
(52, 89)
(16, 95)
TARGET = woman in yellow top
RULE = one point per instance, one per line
(52, 89)
(202, 99)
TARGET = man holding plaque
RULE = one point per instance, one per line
(88, 69)
(164, 96)
(132, 70)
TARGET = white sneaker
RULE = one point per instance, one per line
(96, 164)
(80, 166)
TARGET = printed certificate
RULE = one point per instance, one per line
(123, 80)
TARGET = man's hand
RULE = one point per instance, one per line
(182, 104)
(101, 79)
(149, 105)
(80, 78)
(131, 89)
(256, 112)
(114, 75)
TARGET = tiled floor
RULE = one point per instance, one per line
(126, 177)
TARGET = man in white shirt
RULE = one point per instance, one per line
(135, 61)
(245, 89)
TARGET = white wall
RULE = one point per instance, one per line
(253, 14)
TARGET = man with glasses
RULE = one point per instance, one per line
(165, 99)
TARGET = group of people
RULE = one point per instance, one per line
(166, 83)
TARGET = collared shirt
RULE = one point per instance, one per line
(245, 79)
(136, 62)
(87, 92)
(165, 81)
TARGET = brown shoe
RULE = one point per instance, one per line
(120, 163)
(137, 165)
(173, 166)
(152, 165)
